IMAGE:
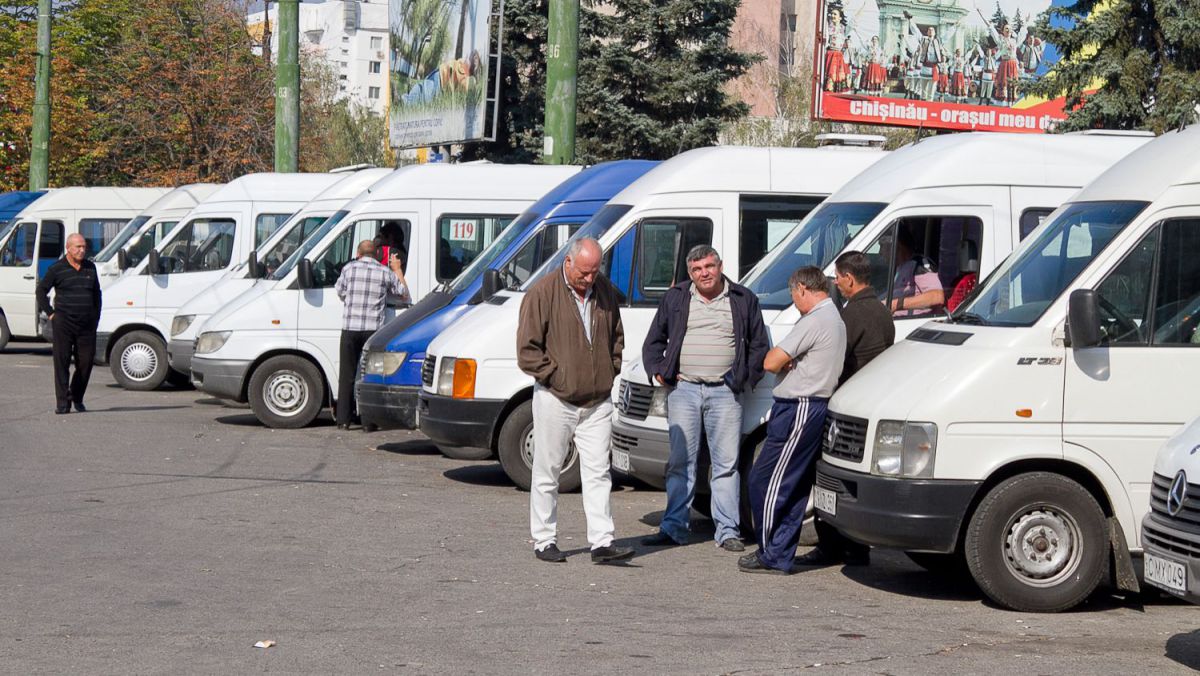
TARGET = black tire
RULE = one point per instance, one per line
(1037, 543)
(808, 532)
(465, 452)
(5, 334)
(286, 392)
(515, 450)
(139, 361)
(949, 566)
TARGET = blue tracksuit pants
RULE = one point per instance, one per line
(782, 477)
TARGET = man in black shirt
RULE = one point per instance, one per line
(73, 319)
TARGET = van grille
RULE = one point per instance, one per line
(623, 442)
(1176, 543)
(634, 400)
(844, 437)
(1188, 518)
(427, 370)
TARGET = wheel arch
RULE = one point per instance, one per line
(126, 329)
(522, 396)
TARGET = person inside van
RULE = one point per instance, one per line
(916, 288)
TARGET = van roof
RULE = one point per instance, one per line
(597, 183)
(273, 187)
(183, 197)
(129, 199)
(1172, 159)
(818, 171)
(352, 184)
(979, 158)
(12, 203)
(483, 181)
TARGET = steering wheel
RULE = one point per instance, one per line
(1125, 325)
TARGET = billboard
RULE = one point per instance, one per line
(944, 64)
(438, 66)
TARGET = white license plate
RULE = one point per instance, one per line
(825, 500)
(1170, 575)
(620, 460)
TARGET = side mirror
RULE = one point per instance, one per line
(304, 274)
(122, 260)
(153, 265)
(253, 268)
(491, 283)
(1083, 319)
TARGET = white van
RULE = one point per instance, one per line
(277, 345)
(261, 262)
(958, 211)
(214, 237)
(476, 402)
(1171, 530)
(147, 229)
(1020, 433)
(38, 236)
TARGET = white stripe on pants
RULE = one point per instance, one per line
(555, 424)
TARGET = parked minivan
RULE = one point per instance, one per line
(213, 238)
(960, 215)
(147, 229)
(11, 204)
(740, 200)
(1171, 530)
(1019, 432)
(261, 262)
(39, 234)
(277, 345)
(391, 380)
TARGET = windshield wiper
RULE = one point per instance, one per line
(969, 318)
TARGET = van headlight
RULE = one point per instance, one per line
(904, 449)
(658, 402)
(181, 323)
(456, 378)
(381, 363)
(212, 341)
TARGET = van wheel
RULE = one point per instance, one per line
(515, 449)
(139, 361)
(808, 532)
(286, 392)
(465, 452)
(1037, 543)
(5, 334)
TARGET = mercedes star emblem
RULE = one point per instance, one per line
(1178, 494)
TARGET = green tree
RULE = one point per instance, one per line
(1126, 64)
(336, 132)
(998, 16)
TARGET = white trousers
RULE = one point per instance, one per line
(555, 425)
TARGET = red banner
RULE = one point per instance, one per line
(937, 115)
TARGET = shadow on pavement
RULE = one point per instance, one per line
(480, 474)
(1185, 649)
(410, 447)
(249, 420)
(892, 572)
(44, 351)
(118, 409)
(227, 403)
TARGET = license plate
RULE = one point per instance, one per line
(825, 500)
(1164, 573)
(620, 460)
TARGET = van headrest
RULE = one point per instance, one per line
(968, 256)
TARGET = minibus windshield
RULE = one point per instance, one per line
(484, 259)
(1036, 274)
(599, 224)
(122, 237)
(816, 241)
(308, 245)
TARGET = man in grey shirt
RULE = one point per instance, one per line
(807, 362)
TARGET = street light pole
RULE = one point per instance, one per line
(39, 154)
(562, 62)
(287, 88)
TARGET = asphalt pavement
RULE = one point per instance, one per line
(168, 532)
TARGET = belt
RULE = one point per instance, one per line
(705, 383)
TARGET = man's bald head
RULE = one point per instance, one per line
(76, 249)
(582, 264)
(366, 248)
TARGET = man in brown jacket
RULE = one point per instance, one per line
(569, 340)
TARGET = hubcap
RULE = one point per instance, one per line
(1042, 546)
(527, 451)
(139, 361)
(285, 393)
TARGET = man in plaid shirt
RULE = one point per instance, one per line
(363, 286)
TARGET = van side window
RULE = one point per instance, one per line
(662, 246)
(50, 248)
(1124, 295)
(266, 225)
(1031, 218)
(285, 247)
(764, 221)
(18, 250)
(924, 264)
(391, 236)
(1177, 298)
(618, 263)
(98, 232)
(204, 244)
(536, 251)
(462, 237)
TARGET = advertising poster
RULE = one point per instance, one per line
(942, 64)
(438, 65)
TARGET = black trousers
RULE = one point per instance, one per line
(72, 339)
(351, 351)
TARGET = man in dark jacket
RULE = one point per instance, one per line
(706, 342)
(869, 331)
(73, 320)
(569, 340)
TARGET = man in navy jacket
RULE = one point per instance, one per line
(707, 343)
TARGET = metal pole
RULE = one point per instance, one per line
(562, 61)
(287, 87)
(39, 155)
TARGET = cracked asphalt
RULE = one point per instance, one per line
(167, 532)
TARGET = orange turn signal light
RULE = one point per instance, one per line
(275, 322)
(1024, 413)
(464, 379)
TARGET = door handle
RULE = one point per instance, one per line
(27, 277)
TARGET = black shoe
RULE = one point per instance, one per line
(757, 566)
(611, 553)
(660, 539)
(818, 558)
(550, 554)
(732, 545)
(80, 407)
(62, 410)
(748, 558)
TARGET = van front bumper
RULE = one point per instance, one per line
(388, 407)
(179, 355)
(916, 515)
(459, 422)
(648, 450)
(1166, 540)
(221, 378)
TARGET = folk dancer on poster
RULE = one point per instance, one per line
(1029, 55)
(875, 75)
(836, 72)
(1009, 70)
(986, 64)
(943, 79)
(928, 56)
(958, 76)
(853, 65)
